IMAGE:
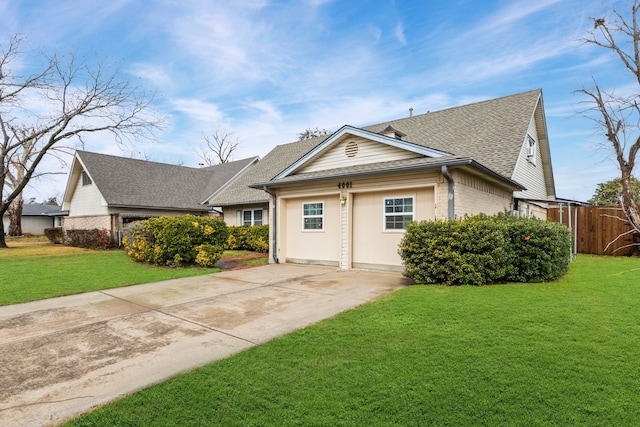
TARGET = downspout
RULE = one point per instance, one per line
(274, 241)
(445, 173)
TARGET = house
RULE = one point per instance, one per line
(107, 192)
(344, 200)
(36, 217)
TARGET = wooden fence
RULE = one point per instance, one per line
(595, 227)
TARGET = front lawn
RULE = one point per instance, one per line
(562, 353)
(34, 269)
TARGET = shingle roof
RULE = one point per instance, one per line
(489, 132)
(39, 209)
(273, 163)
(139, 183)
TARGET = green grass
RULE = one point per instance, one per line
(32, 270)
(562, 353)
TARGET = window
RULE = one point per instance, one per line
(397, 213)
(312, 216)
(85, 179)
(252, 217)
(531, 149)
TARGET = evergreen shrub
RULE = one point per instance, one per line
(481, 249)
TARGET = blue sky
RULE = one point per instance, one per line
(267, 70)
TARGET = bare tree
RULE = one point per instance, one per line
(218, 147)
(64, 101)
(312, 133)
(617, 115)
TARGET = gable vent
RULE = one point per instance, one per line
(351, 149)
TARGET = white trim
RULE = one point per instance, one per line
(313, 217)
(532, 148)
(253, 216)
(419, 149)
(385, 214)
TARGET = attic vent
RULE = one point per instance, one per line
(351, 149)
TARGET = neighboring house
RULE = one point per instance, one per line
(344, 200)
(106, 192)
(36, 217)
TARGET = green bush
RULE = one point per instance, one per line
(177, 240)
(538, 249)
(481, 249)
(250, 238)
(90, 239)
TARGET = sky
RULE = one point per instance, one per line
(267, 70)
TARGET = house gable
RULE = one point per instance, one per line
(83, 198)
(533, 166)
(351, 146)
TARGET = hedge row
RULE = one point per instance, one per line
(483, 249)
(250, 238)
(176, 240)
(91, 239)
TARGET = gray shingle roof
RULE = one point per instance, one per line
(273, 163)
(139, 183)
(489, 132)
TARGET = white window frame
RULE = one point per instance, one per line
(321, 216)
(531, 149)
(386, 214)
(252, 221)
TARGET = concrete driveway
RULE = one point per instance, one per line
(61, 357)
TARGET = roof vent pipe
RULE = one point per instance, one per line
(411, 112)
(447, 176)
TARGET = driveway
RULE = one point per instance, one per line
(63, 356)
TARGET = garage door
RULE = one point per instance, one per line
(378, 222)
(312, 230)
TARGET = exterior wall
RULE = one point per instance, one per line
(474, 195)
(86, 200)
(335, 246)
(530, 174)
(311, 246)
(233, 214)
(31, 224)
(367, 152)
(531, 210)
(87, 222)
(373, 247)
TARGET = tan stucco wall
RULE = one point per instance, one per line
(335, 245)
(372, 246)
(311, 246)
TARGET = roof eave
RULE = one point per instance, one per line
(451, 163)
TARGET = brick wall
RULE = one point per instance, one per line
(87, 222)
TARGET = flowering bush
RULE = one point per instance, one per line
(177, 240)
(250, 238)
(481, 249)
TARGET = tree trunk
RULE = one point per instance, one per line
(15, 217)
(3, 243)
